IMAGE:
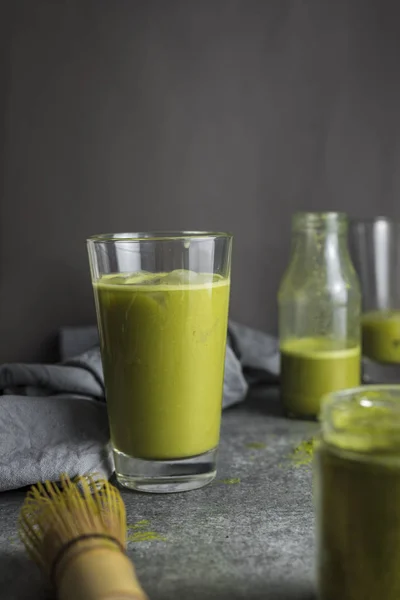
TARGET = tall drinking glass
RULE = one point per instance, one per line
(162, 311)
(375, 246)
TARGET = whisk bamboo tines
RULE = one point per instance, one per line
(76, 533)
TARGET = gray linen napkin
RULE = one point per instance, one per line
(53, 418)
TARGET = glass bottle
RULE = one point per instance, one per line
(319, 314)
(357, 495)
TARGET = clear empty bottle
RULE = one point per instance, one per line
(319, 314)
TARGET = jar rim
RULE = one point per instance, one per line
(362, 419)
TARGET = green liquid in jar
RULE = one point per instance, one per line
(313, 367)
(381, 336)
(358, 517)
(163, 351)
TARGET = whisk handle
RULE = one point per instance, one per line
(97, 573)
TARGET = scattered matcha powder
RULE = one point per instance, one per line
(256, 445)
(13, 540)
(137, 533)
(139, 525)
(145, 536)
(303, 454)
(231, 481)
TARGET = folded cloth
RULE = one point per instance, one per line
(53, 418)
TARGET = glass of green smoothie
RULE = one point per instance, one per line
(357, 495)
(375, 246)
(162, 311)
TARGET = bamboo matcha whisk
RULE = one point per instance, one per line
(77, 534)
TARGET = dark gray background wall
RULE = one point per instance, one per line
(222, 114)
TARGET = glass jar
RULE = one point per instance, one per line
(375, 246)
(357, 495)
(319, 314)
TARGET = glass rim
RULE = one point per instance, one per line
(373, 221)
(156, 235)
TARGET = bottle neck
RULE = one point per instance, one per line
(313, 243)
(319, 239)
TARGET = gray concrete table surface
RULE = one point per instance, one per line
(248, 535)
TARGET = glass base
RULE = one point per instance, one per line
(165, 476)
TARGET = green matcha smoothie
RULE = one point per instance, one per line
(358, 508)
(163, 342)
(312, 367)
(381, 335)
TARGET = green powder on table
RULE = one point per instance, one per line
(13, 540)
(145, 536)
(139, 525)
(231, 481)
(303, 454)
(137, 533)
(256, 445)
